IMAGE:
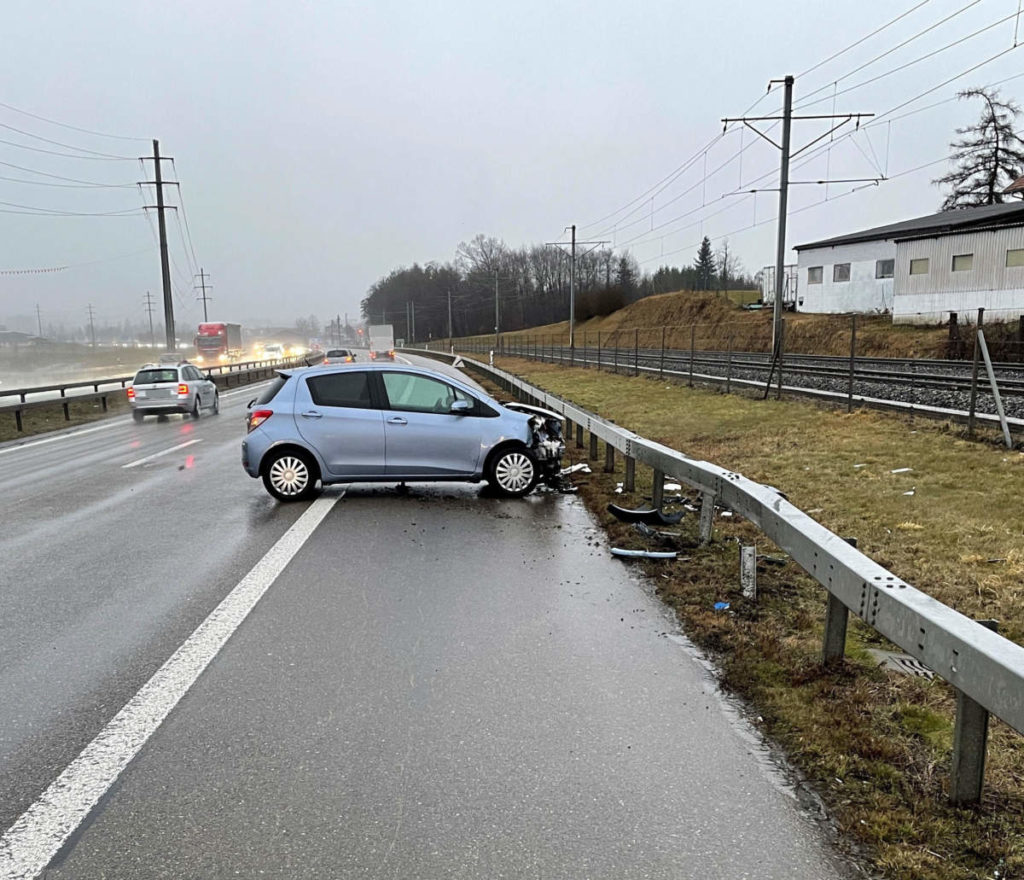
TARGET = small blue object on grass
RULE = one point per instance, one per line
(721, 606)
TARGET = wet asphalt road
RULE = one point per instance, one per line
(444, 684)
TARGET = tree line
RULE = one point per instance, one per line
(531, 286)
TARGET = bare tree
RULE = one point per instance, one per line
(987, 157)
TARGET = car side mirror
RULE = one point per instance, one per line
(460, 407)
(250, 404)
(209, 375)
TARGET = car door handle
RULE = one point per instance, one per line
(397, 420)
(312, 414)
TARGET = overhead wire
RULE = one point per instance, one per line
(60, 177)
(72, 127)
(110, 158)
(62, 144)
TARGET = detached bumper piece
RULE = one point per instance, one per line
(651, 517)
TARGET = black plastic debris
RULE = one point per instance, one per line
(651, 517)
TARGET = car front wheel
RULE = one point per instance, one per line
(290, 476)
(216, 403)
(513, 472)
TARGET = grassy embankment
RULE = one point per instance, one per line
(875, 745)
(717, 320)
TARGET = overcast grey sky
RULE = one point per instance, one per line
(320, 145)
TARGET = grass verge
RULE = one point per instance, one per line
(51, 418)
(875, 745)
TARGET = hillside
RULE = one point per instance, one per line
(715, 319)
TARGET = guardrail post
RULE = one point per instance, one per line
(629, 480)
(636, 351)
(970, 740)
(609, 458)
(579, 436)
(18, 421)
(67, 413)
(103, 400)
(593, 446)
(707, 516)
(658, 490)
(661, 365)
(837, 616)
(599, 351)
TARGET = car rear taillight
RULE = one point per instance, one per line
(258, 416)
(182, 388)
(131, 393)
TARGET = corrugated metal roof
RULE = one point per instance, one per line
(957, 220)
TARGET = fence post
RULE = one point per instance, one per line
(585, 349)
(579, 436)
(693, 336)
(853, 358)
(599, 351)
(707, 515)
(837, 616)
(970, 740)
(658, 490)
(728, 368)
(636, 351)
(615, 362)
(593, 446)
(629, 480)
(974, 375)
(661, 368)
(609, 458)
(748, 571)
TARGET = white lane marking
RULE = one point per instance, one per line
(162, 453)
(249, 388)
(30, 844)
(31, 443)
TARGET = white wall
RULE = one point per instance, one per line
(989, 284)
(862, 293)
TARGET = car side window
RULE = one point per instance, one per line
(412, 393)
(349, 389)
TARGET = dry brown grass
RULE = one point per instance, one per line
(718, 319)
(51, 418)
(877, 747)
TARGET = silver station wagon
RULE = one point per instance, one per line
(394, 423)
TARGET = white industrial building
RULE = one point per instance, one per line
(919, 270)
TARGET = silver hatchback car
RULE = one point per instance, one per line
(394, 423)
(160, 389)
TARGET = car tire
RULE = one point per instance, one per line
(196, 407)
(216, 403)
(513, 472)
(137, 415)
(290, 475)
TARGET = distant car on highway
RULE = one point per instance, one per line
(273, 352)
(388, 422)
(161, 389)
(339, 356)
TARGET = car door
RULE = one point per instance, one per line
(422, 437)
(335, 414)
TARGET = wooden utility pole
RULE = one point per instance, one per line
(149, 309)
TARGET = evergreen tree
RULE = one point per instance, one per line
(705, 265)
(988, 156)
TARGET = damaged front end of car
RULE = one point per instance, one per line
(548, 440)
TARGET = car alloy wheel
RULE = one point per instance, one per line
(515, 472)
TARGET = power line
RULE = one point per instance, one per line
(67, 146)
(59, 177)
(68, 155)
(72, 127)
(184, 214)
(70, 185)
(858, 42)
(895, 48)
(46, 212)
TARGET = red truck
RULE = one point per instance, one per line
(218, 343)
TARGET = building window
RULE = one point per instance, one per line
(814, 275)
(919, 267)
(963, 262)
(884, 268)
(1014, 258)
(841, 272)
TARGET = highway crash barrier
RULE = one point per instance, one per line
(986, 669)
(228, 376)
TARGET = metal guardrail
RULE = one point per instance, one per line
(227, 376)
(986, 669)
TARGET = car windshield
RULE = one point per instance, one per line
(151, 377)
(337, 353)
